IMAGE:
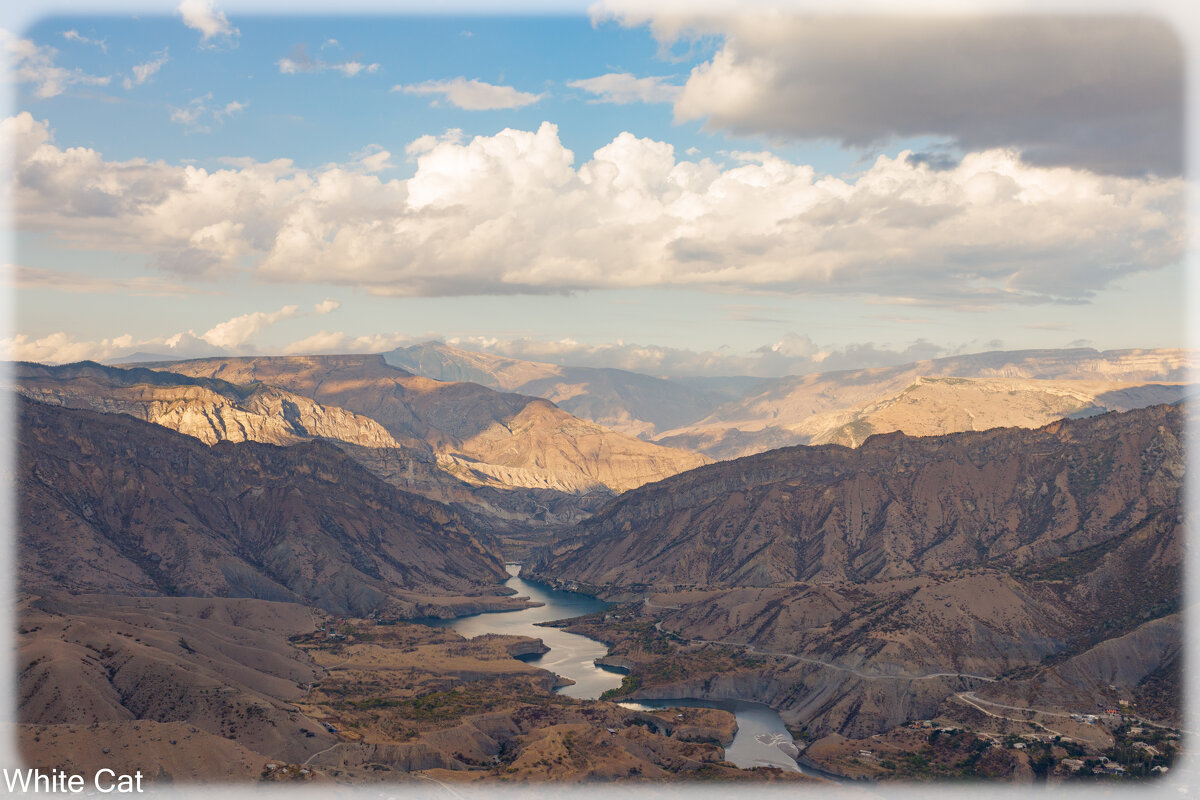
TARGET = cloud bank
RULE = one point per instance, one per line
(234, 336)
(1102, 93)
(512, 213)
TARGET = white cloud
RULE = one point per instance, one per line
(319, 342)
(142, 72)
(202, 16)
(300, 61)
(197, 115)
(513, 213)
(472, 95)
(237, 331)
(75, 36)
(623, 88)
(32, 63)
(231, 108)
(1102, 93)
(234, 336)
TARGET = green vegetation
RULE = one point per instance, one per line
(629, 684)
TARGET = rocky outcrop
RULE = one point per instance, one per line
(112, 504)
(209, 410)
(481, 436)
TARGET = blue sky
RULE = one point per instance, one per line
(748, 199)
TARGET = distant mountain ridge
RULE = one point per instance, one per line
(733, 417)
(479, 435)
(630, 402)
(844, 406)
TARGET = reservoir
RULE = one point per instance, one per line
(761, 739)
(570, 655)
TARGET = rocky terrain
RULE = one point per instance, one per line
(480, 435)
(872, 585)
(214, 410)
(897, 505)
(111, 504)
(1023, 388)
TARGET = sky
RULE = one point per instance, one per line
(671, 191)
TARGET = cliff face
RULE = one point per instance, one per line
(893, 507)
(482, 436)
(209, 410)
(112, 504)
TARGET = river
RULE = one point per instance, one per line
(761, 737)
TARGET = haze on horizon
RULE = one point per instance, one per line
(662, 191)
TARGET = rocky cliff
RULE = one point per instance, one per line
(486, 437)
(108, 503)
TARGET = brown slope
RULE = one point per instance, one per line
(112, 504)
(224, 666)
(896, 506)
(483, 436)
(809, 409)
(213, 410)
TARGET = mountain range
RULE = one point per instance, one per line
(880, 581)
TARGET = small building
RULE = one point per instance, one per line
(1073, 764)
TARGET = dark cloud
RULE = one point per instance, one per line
(1105, 94)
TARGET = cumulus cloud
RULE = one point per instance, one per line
(227, 338)
(472, 95)
(300, 61)
(513, 213)
(235, 336)
(203, 16)
(235, 332)
(142, 72)
(31, 63)
(623, 88)
(1102, 93)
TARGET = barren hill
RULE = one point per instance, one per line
(874, 586)
(478, 434)
(111, 504)
(1025, 388)
(897, 505)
